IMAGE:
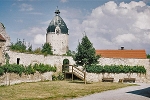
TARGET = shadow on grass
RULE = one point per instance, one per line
(79, 82)
(143, 92)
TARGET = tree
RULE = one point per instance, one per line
(148, 56)
(86, 53)
(70, 53)
(18, 46)
(30, 48)
(47, 49)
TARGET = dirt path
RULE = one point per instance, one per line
(141, 92)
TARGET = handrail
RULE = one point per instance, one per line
(78, 72)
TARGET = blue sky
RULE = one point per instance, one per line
(108, 24)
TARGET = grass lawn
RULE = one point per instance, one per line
(54, 90)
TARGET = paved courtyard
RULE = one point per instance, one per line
(141, 92)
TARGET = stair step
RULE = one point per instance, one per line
(76, 72)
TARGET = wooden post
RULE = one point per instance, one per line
(72, 73)
(84, 77)
(65, 75)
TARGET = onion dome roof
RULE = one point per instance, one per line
(57, 21)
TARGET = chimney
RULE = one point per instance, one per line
(122, 48)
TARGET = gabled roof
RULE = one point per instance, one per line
(2, 38)
(138, 54)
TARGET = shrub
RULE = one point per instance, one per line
(94, 68)
(41, 68)
(19, 69)
(54, 78)
(60, 76)
(115, 69)
(1, 71)
(29, 70)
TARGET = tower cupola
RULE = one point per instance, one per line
(57, 22)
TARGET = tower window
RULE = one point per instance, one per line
(18, 60)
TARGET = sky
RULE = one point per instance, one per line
(108, 24)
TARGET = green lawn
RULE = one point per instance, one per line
(54, 90)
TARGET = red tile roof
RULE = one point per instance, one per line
(139, 54)
(2, 38)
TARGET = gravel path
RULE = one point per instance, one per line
(141, 92)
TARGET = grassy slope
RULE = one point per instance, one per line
(54, 90)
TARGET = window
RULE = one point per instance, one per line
(18, 59)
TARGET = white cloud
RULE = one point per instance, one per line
(26, 7)
(36, 30)
(34, 35)
(125, 38)
(35, 13)
(19, 21)
(63, 1)
(112, 25)
(39, 39)
(132, 4)
(143, 20)
(108, 26)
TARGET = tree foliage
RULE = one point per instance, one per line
(86, 53)
(47, 49)
(18, 46)
(148, 56)
(70, 53)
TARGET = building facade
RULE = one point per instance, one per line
(4, 43)
(57, 35)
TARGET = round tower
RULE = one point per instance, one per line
(57, 35)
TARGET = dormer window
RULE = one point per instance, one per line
(57, 30)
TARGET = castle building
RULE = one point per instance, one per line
(57, 35)
(4, 43)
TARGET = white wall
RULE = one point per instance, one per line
(59, 43)
(12, 78)
(117, 61)
(27, 59)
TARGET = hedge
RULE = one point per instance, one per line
(30, 69)
(115, 69)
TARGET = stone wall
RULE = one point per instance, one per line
(3, 44)
(59, 42)
(57, 61)
(27, 59)
(111, 61)
(5, 35)
(12, 78)
(93, 77)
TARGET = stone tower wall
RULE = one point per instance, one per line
(59, 43)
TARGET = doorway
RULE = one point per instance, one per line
(65, 66)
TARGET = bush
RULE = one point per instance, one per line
(19, 69)
(115, 69)
(60, 76)
(1, 71)
(95, 68)
(29, 70)
(41, 68)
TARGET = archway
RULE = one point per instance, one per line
(65, 68)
